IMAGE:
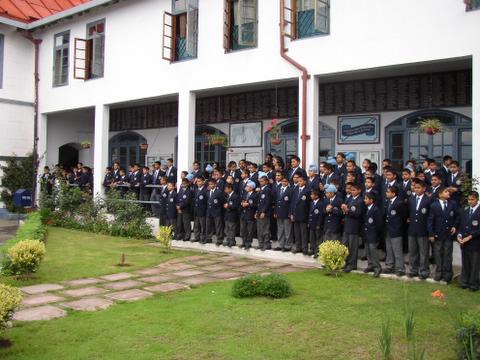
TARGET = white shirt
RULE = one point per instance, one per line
(420, 197)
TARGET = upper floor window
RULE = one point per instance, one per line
(90, 52)
(304, 18)
(180, 31)
(240, 24)
(472, 4)
(60, 58)
(2, 41)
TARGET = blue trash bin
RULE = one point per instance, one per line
(22, 198)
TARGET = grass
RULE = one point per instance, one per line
(75, 254)
(327, 318)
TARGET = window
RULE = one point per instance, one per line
(304, 18)
(2, 40)
(90, 52)
(240, 24)
(180, 31)
(61, 48)
(472, 4)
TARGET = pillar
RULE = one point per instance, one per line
(475, 113)
(100, 147)
(41, 150)
(311, 156)
(186, 131)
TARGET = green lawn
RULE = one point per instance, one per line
(326, 318)
(75, 254)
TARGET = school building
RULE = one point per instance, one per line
(143, 80)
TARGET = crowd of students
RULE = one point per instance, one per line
(421, 210)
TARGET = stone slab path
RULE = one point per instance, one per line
(50, 301)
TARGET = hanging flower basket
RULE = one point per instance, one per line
(430, 126)
(274, 131)
(217, 140)
(144, 146)
(86, 144)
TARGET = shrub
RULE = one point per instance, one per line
(164, 238)
(26, 256)
(272, 285)
(17, 174)
(333, 255)
(10, 299)
(468, 336)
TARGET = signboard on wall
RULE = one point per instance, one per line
(252, 155)
(359, 129)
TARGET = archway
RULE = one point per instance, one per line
(289, 144)
(125, 148)
(206, 153)
(68, 155)
(404, 142)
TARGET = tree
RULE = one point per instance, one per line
(17, 174)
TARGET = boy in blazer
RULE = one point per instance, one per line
(247, 214)
(264, 207)
(284, 225)
(372, 230)
(315, 220)
(299, 208)
(200, 210)
(332, 214)
(231, 206)
(184, 211)
(215, 199)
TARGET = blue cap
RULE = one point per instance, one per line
(262, 174)
(331, 188)
(350, 156)
(313, 168)
(331, 161)
(251, 184)
(189, 177)
(209, 168)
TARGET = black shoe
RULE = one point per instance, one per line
(268, 247)
(423, 277)
(388, 271)
(219, 243)
(437, 278)
(368, 270)
(412, 275)
(243, 246)
(295, 251)
(315, 256)
(286, 250)
(247, 247)
(400, 273)
(278, 249)
(347, 270)
(377, 273)
(207, 242)
(363, 258)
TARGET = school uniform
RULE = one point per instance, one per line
(162, 205)
(418, 246)
(396, 214)
(469, 225)
(428, 177)
(264, 208)
(200, 214)
(352, 228)
(444, 173)
(441, 219)
(314, 182)
(155, 194)
(372, 230)
(46, 182)
(247, 218)
(171, 211)
(122, 185)
(327, 179)
(115, 175)
(86, 181)
(214, 220)
(299, 209)
(298, 170)
(231, 217)
(433, 192)
(220, 184)
(456, 181)
(197, 173)
(315, 220)
(254, 177)
(407, 190)
(171, 174)
(146, 179)
(284, 225)
(332, 220)
(184, 213)
(107, 180)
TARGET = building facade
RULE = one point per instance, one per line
(151, 79)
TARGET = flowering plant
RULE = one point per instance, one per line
(274, 129)
(430, 126)
(217, 139)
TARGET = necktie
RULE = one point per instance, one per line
(444, 206)
(390, 204)
(331, 201)
(471, 212)
(453, 178)
(282, 191)
(418, 202)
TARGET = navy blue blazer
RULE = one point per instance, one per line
(300, 204)
(282, 204)
(162, 200)
(233, 203)
(372, 224)
(313, 183)
(470, 225)
(297, 170)
(396, 214)
(332, 220)
(200, 202)
(315, 215)
(418, 219)
(184, 199)
(440, 221)
(146, 179)
(264, 201)
(215, 203)
(172, 176)
(171, 209)
(248, 213)
(457, 183)
(354, 216)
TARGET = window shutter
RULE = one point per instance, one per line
(227, 25)
(98, 46)
(322, 16)
(289, 17)
(192, 29)
(168, 47)
(247, 28)
(81, 66)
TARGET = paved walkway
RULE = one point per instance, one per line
(8, 228)
(49, 301)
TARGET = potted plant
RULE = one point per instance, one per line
(430, 126)
(273, 131)
(217, 139)
(85, 144)
(144, 146)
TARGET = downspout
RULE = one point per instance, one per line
(305, 76)
(36, 43)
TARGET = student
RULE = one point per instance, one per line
(313, 177)
(146, 179)
(395, 221)
(299, 208)
(333, 214)
(372, 230)
(442, 225)
(418, 208)
(47, 181)
(444, 170)
(231, 206)
(200, 211)
(214, 219)
(354, 209)
(171, 209)
(107, 179)
(135, 180)
(469, 239)
(295, 168)
(455, 181)
(284, 225)
(122, 184)
(196, 170)
(369, 188)
(436, 184)
(406, 184)
(219, 181)
(315, 220)
(171, 171)
(262, 215)
(184, 210)
(162, 201)
(247, 215)
(253, 173)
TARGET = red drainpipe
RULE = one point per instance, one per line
(36, 43)
(305, 77)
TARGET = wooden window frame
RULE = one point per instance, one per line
(62, 48)
(81, 72)
(92, 39)
(289, 28)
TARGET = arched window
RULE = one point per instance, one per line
(206, 153)
(125, 148)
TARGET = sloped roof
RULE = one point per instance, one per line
(30, 10)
